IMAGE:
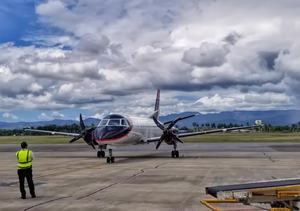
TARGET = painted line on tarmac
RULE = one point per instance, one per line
(46, 202)
(141, 171)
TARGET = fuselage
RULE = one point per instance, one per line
(116, 129)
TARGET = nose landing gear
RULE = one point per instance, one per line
(110, 158)
(100, 154)
(175, 152)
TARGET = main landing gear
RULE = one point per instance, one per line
(110, 158)
(175, 152)
(101, 153)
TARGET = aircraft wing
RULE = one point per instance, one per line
(53, 132)
(155, 139)
(215, 131)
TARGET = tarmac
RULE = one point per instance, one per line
(71, 177)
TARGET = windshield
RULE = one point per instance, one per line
(113, 122)
(103, 122)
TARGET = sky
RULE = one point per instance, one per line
(59, 58)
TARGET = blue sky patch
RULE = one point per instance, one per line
(18, 18)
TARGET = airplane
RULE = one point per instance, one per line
(121, 130)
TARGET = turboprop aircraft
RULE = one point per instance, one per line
(119, 130)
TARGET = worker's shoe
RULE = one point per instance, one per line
(33, 196)
(23, 197)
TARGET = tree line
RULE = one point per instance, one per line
(75, 128)
(265, 128)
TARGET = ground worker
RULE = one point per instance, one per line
(25, 157)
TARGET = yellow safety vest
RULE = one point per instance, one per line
(24, 159)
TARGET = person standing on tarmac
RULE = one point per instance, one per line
(25, 157)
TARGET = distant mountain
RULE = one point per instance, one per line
(91, 121)
(274, 117)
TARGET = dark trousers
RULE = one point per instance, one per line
(22, 173)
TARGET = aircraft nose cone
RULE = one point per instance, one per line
(99, 133)
(111, 132)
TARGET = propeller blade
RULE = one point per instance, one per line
(93, 146)
(82, 126)
(90, 129)
(159, 143)
(178, 119)
(75, 138)
(177, 139)
(158, 124)
(167, 133)
(186, 117)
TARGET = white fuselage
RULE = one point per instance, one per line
(142, 129)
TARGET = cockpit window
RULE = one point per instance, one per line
(124, 122)
(114, 122)
(103, 122)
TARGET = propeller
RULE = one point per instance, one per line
(168, 134)
(84, 133)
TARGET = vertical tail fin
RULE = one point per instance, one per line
(156, 108)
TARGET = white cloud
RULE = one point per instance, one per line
(44, 116)
(207, 55)
(288, 61)
(9, 116)
(97, 116)
(113, 55)
(57, 115)
(49, 116)
(246, 101)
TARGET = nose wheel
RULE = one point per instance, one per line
(110, 158)
(175, 152)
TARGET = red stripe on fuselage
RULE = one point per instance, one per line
(111, 139)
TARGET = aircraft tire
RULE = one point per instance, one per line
(112, 159)
(173, 154)
(102, 154)
(176, 154)
(108, 160)
(99, 154)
